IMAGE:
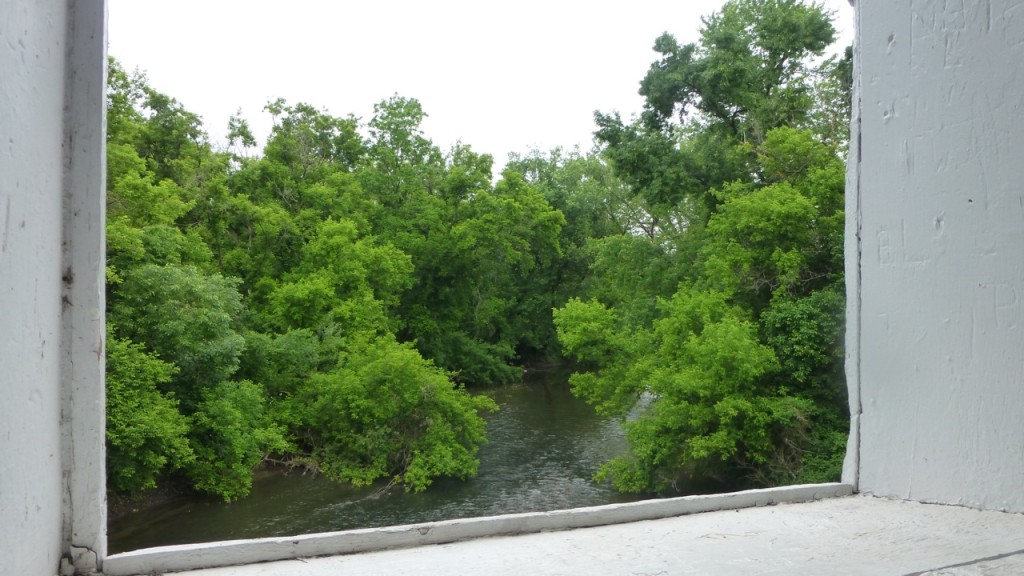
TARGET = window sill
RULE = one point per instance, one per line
(739, 534)
(239, 552)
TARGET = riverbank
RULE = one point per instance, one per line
(545, 446)
(122, 505)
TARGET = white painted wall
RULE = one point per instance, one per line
(31, 133)
(935, 265)
(940, 186)
(52, 56)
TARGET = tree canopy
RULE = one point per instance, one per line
(730, 373)
(334, 299)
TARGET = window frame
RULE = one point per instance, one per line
(83, 389)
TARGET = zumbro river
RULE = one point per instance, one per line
(545, 446)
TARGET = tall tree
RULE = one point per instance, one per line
(749, 73)
(733, 373)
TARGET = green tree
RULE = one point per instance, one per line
(188, 318)
(719, 324)
(747, 73)
(596, 205)
(231, 434)
(342, 279)
(146, 433)
(385, 412)
(471, 266)
(833, 97)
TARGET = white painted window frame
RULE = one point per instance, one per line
(83, 397)
(83, 394)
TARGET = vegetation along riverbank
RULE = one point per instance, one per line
(330, 300)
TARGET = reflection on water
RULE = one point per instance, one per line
(545, 446)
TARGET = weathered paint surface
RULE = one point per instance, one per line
(32, 46)
(855, 536)
(83, 284)
(940, 188)
(238, 552)
(52, 62)
(851, 249)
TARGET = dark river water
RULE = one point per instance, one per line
(545, 446)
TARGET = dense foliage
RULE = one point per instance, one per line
(328, 301)
(734, 353)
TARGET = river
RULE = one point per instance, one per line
(545, 446)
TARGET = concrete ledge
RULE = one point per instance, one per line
(238, 552)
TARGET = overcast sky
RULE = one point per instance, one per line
(500, 76)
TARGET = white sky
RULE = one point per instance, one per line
(500, 76)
